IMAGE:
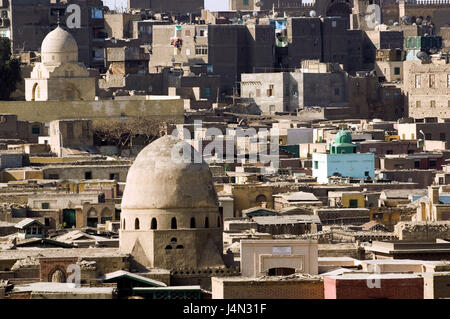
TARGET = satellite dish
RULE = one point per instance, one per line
(395, 23)
(406, 20)
(259, 4)
(255, 13)
(312, 14)
(423, 56)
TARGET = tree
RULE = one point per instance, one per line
(120, 133)
(10, 73)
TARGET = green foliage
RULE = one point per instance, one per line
(10, 73)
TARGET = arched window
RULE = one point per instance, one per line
(218, 221)
(206, 222)
(193, 222)
(168, 247)
(173, 223)
(180, 247)
(154, 223)
(136, 224)
(261, 199)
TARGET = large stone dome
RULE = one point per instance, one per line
(158, 181)
(59, 46)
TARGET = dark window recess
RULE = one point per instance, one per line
(432, 163)
(45, 205)
(53, 176)
(35, 130)
(416, 164)
(389, 152)
(353, 203)
(428, 136)
(47, 221)
(87, 175)
(442, 137)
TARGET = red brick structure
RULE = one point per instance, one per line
(48, 266)
(374, 286)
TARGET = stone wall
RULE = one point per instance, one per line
(167, 108)
(422, 231)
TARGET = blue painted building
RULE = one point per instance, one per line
(343, 161)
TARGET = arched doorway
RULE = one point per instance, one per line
(340, 8)
(92, 218)
(35, 92)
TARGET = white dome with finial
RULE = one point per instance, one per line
(59, 46)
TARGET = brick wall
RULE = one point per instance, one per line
(410, 288)
(270, 289)
(49, 265)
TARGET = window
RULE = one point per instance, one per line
(201, 50)
(245, 2)
(87, 175)
(193, 222)
(442, 137)
(207, 92)
(123, 223)
(428, 136)
(353, 203)
(336, 91)
(316, 165)
(366, 173)
(154, 224)
(417, 104)
(114, 177)
(35, 130)
(431, 78)
(270, 90)
(418, 81)
(432, 163)
(397, 71)
(218, 221)
(136, 224)
(47, 221)
(45, 205)
(173, 223)
(206, 222)
(432, 103)
(389, 152)
(53, 176)
(417, 164)
(388, 95)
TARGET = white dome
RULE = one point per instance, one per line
(157, 181)
(59, 46)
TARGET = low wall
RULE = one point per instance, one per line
(46, 111)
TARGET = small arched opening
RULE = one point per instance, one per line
(173, 223)
(136, 224)
(206, 222)
(154, 223)
(193, 222)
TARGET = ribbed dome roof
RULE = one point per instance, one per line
(59, 43)
(343, 137)
(158, 179)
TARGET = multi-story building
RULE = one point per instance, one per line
(427, 86)
(228, 50)
(169, 6)
(27, 22)
(316, 84)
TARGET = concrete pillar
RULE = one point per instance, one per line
(433, 194)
